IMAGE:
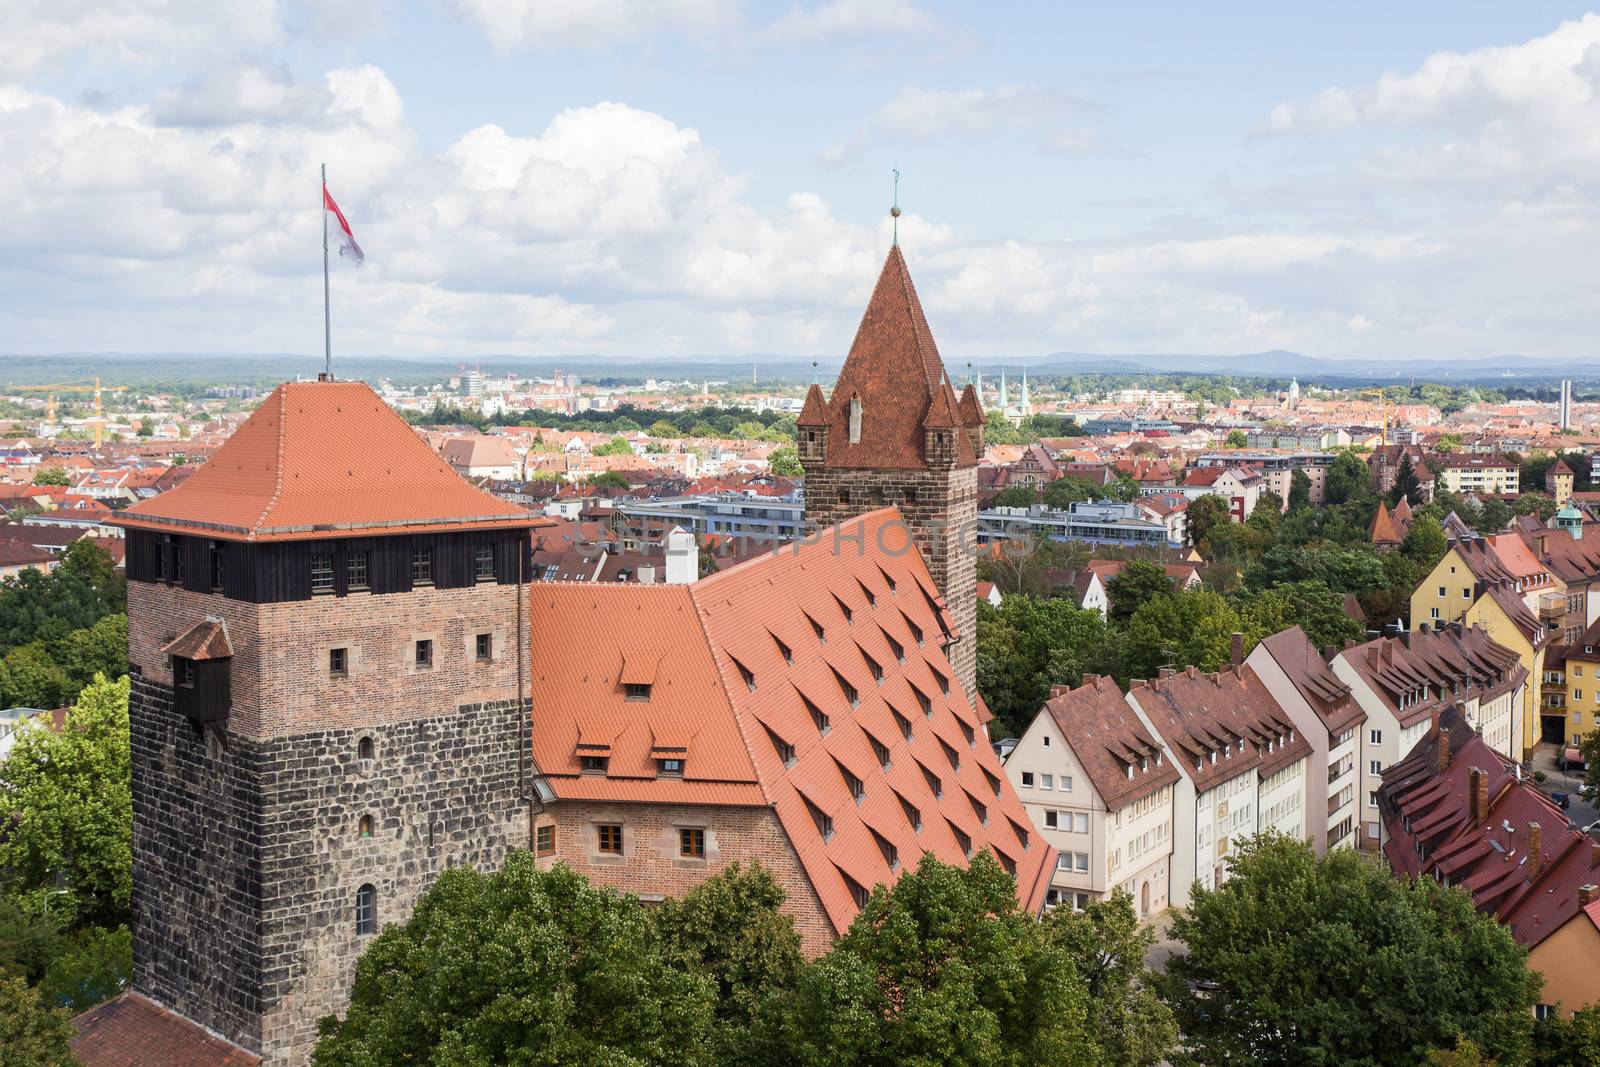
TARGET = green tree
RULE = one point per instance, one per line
(51, 476)
(1348, 478)
(1300, 960)
(1495, 516)
(94, 964)
(520, 966)
(785, 462)
(1406, 485)
(662, 428)
(1310, 605)
(1187, 627)
(1204, 514)
(1064, 492)
(1466, 1053)
(1425, 543)
(31, 1034)
(941, 968)
(67, 800)
(85, 587)
(147, 428)
(1589, 748)
(1016, 496)
(1107, 946)
(609, 480)
(1136, 585)
(1236, 439)
(31, 678)
(617, 446)
(1570, 1042)
(729, 930)
(99, 649)
(1299, 490)
(1030, 643)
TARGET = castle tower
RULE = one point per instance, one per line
(326, 638)
(894, 432)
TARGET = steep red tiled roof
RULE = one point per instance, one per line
(1109, 740)
(971, 409)
(207, 639)
(320, 458)
(1437, 660)
(815, 410)
(1383, 530)
(893, 368)
(1328, 696)
(1229, 714)
(132, 1031)
(742, 670)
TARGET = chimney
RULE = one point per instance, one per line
(1477, 797)
(1587, 894)
(1349, 643)
(683, 558)
(1422, 628)
(1444, 751)
(1328, 652)
(1061, 690)
(1535, 852)
(1238, 648)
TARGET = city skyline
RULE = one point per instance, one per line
(553, 180)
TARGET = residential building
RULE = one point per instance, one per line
(1571, 707)
(1558, 482)
(1457, 811)
(1239, 486)
(763, 521)
(1105, 522)
(1400, 681)
(1242, 767)
(1325, 712)
(894, 432)
(1277, 469)
(799, 709)
(1479, 473)
(1099, 788)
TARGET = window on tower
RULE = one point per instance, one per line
(366, 910)
(422, 566)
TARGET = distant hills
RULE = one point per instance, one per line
(154, 368)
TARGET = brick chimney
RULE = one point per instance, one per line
(1238, 648)
(1444, 751)
(1060, 690)
(1587, 894)
(1477, 797)
(1535, 852)
(1164, 672)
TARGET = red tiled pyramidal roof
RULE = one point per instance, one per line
(318, 458)
(894, 369)
(811, 680)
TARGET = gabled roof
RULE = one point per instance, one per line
(207, 639)
(1110, 741)
(1432, 668)
(1384, 531)
(320, 459)
(1326, 694)
(1220, 725)
(894, 369)
(743, 674)
(132, 1031)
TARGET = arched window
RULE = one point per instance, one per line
(365, 748)
(366, 910)
(366, 826)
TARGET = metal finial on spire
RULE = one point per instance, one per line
(894, 212)
(813, 372)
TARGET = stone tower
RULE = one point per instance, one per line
(327, 642)
(895, 432)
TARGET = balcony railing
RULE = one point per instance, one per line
(1339, 833)
(1338, 771)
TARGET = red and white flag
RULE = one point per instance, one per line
(339, 230)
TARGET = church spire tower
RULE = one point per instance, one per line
(895, 432)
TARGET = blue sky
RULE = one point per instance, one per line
(711, 176)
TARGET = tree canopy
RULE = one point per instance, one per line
(1300, 960)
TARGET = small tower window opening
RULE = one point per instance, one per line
(366, 911)
(857, 788)
(783, 748)
(610, 838)
(904, 724)
(784, 650)
(544, 839)
(422, 566)
(424, 655)
(636, 691)
(484, 646)
(857, 892)
(216, 567)
(483, 563)
(338, 662)
(322, 572)
(364, 828)
(365, 749)
(818, 716)
(177, 562)
(823, 820)
(355, 570)
(594, 764)
(746, 674)
(183, 672)
(816, 628)
(913, 816)
(692, 843)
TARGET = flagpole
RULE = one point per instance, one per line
(327, 320)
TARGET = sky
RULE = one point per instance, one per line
(713, 177)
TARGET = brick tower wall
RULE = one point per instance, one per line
(940, 505)
(247, 849)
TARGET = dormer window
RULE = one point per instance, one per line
(594, 764)
(817, 716)
(746, 674)
(783, 650)
(669, 768)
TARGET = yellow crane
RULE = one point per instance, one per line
(81, 386)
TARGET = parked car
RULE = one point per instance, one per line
(1562, 800)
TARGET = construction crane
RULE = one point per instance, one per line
(80, 386)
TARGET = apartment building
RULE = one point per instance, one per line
(1401, 683)
(1472, 472)
(1099, 788)
(1242, 766)
(1327, 715)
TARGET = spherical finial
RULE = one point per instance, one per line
(894, 212)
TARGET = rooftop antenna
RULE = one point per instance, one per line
(894, 212)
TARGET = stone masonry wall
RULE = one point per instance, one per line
(941, 508)
(651, 867)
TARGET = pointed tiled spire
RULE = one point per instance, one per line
(971, 410)
(815, 411)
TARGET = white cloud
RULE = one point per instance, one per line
(37, 33)
(924, 113)
(517, 24)
(847, 19)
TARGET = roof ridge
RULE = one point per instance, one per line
(277, 483)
